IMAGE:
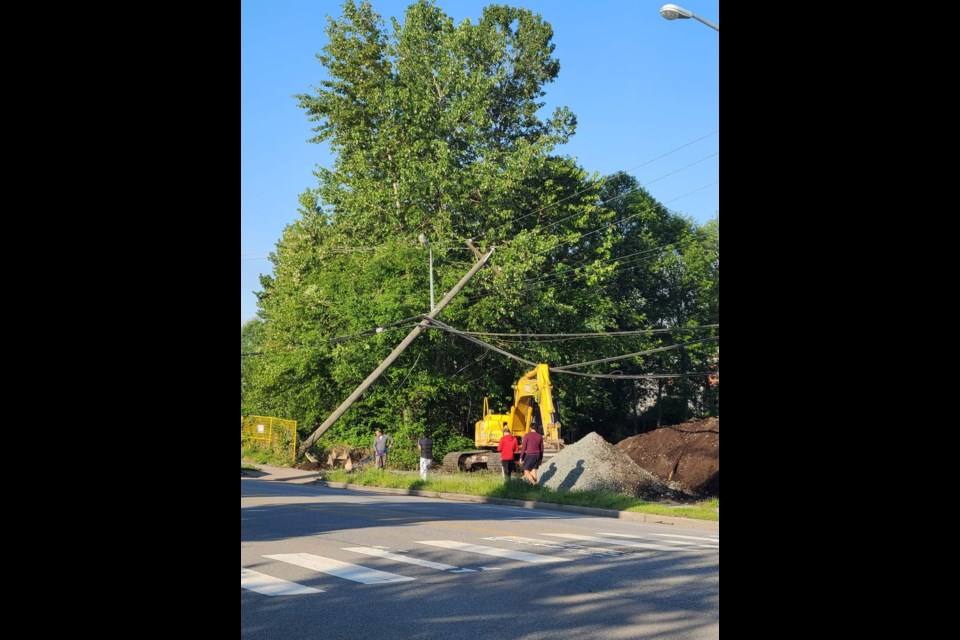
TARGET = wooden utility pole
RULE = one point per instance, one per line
(305, 446)
(476, 252)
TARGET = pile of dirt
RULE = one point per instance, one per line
(593, 464)
(685, 457)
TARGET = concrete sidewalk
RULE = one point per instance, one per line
(299, 476)
(279, 474)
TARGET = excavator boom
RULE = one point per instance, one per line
(533, 406)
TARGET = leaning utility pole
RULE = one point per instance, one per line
(393, 356)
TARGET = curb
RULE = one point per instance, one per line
(707, 525)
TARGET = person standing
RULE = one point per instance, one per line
(531, 453)
(507, 447)
(382, 444)
(425, 445)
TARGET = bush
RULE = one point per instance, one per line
(262, 455)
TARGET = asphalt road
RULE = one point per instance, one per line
(318, 562)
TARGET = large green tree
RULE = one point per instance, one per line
(436, 129)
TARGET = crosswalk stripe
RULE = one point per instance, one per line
(399, 557)
(339, 569)
(677, 535)
(522, 556)
(684, 543)
(270, 586)
(622, 543)
(553, 545)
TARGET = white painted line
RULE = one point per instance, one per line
(270, 586)
(522, 556)
(676, 542)
(622, 543)
(339, 569)
(677, 535)
(558, 546)
(549, 544)
(399, 557)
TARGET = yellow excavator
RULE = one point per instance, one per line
(533, 406)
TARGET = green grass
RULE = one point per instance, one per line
(491, 484)
(248, 466)
(262, 455)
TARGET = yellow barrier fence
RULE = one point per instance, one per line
(274, 435)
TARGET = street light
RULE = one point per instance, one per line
(423, 240)
(672, 12)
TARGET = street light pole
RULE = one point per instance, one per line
(672, 12)
(423, 240)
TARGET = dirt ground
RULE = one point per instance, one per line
(686, 456)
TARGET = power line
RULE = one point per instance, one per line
(641, 376)
(633, 355)
(673, 151)
(639, 186)
(483, 344)
(593, 335)
(375, 330)
(688, 193)
(444, 249)
(576, 270)
(552, 204)
(448, 328)
(607, 226)
(615, 222)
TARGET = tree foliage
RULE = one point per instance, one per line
(436, 128)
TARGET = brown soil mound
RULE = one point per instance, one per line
(684, 456)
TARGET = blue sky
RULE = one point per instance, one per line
(640, 86)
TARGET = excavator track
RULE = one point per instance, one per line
(464, 460)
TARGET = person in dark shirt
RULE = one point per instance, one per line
(425, 445)
(531, 453)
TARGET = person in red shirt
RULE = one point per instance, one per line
(531, 453)
(507, 447)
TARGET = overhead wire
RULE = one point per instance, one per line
(565, 275)
(575, 270)
(688, 193)
(443, 249)
(639, 186)
(580, 237)
(445, 327)
(634, 355)
(642, 376)
(573, 195)
(554, 247)
(375, 330)
(596, 334)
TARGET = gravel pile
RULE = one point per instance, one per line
(593, 464)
